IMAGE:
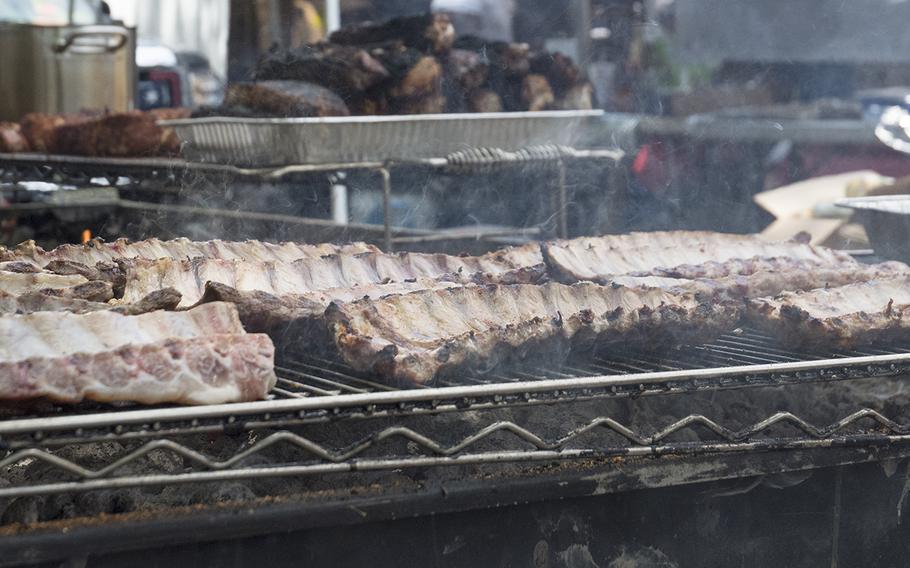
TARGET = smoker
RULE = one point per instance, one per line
(739, 427)
(651, 458)
(744, 450)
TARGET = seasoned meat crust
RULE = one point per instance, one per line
(201, 356)
(412, 338)
(845, 316)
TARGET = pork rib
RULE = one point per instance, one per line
(413, 337)
(297, 321)
(678, 254)
(201, 356)
(17, 283)
(48, 301)
(313, 274)
(97, 250)
(846, 316)
(800, 276)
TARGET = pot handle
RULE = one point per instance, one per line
(69, 41)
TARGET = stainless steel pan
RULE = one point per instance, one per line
(66, 69)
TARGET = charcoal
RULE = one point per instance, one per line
(23, 510)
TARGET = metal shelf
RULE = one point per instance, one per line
(319, 391)
(524, 446)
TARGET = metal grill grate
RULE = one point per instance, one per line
(318, 390)
(323, 377)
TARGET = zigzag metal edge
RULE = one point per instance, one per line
(433, 448)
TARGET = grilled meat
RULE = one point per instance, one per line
(17, 283)
(12, 139)
(201, 356)
(536, 93)
(679, 254)
(125, 134)
(285, 99)
(414, 337)
(41, 129)
(846, 316)
(47, 301)
(527, 255)
(428, 33)
(296, 320)
(769, 282)
(467, 69)
(579, 97)
(484, 100)
(94, 291)
(313, 274)
(96, 250)
(559, 70)
(348, 71)
(32, 302)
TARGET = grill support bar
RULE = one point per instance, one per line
(389, 464)
(432, 400)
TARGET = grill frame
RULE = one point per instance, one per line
(279, 421)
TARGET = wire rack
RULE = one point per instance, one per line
(314, 392)
(319, 390)
(311, 393)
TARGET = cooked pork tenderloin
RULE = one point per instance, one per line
(846, 316)
(414, 337)
(201, 356)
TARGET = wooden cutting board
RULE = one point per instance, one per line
(795, 205)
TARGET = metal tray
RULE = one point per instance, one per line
(887, 222)
(284, 141)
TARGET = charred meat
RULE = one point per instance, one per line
(313, 274)
(414, 337)
(285, 99)
(97, 250)
(679, 254)
(846, 316)
(429, 33)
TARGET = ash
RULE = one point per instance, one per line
(819, 404)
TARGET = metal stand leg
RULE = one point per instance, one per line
(562, 212)
(387, 206)
(340, 210)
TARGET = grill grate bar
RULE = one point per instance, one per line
(315, 390)
(309, 389)
(287, 393)
(744, 348)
